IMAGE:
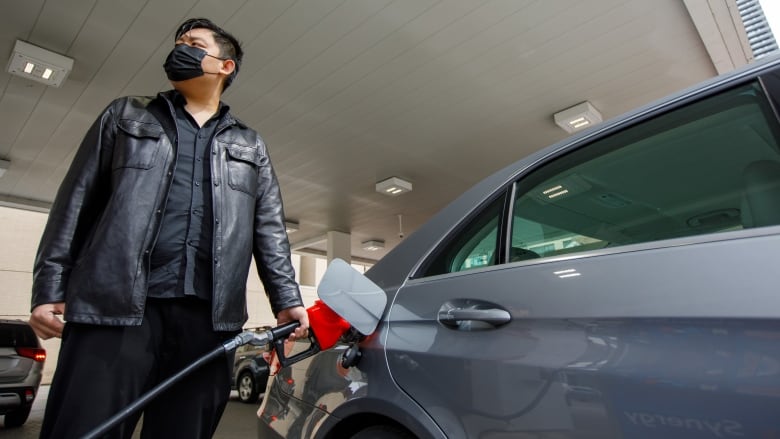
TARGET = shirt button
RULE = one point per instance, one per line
(159, 211)
(217, 220)
(197, 159)
(197, 183)
(170, 173)
(216, 183)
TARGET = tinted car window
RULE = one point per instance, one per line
(710, 167)
(474, 246)
(14, 335)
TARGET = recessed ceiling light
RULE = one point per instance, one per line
(373, 245)
(39, 64)
(290, 226)
(393, 186)
(578, 117)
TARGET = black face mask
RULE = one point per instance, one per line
(184, 62)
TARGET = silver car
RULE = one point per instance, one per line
(21, 367)
(620, 284)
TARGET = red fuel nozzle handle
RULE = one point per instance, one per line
(323, 321)
(280, 334)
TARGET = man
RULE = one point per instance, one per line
(148, 246)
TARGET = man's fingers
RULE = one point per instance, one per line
(45, 322)
(299, 333)
(46, 331)
(295, 313)
(50, 327)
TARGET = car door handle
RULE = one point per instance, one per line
(457, 317)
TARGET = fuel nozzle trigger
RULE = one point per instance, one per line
(280, 334)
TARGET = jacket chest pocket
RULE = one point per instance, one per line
(242, 163)
(137, 145)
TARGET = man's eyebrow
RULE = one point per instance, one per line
(191, 38)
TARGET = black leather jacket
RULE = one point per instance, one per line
(95, 249)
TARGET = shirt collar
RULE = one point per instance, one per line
(179, 101)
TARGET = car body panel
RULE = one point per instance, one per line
(13, 368)
(313, 397)
(665, 338)
(513, 378)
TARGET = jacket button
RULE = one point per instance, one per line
(146, 252)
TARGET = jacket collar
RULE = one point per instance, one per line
(226, 119)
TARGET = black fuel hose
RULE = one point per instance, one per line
(229, 345)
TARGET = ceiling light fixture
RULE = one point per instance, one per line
(393, 186)
(578, 117)
(39, 64)
(4, 165)
(290, 226)
(373, 245)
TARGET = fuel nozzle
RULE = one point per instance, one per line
(344, 292)
(325, 329)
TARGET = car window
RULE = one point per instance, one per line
(16, 335)
(473, 246)
(709, 167)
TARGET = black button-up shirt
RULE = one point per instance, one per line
(181, 260)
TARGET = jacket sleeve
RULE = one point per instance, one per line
(271, 245)
(75, 211)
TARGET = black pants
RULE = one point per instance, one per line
(102, 369)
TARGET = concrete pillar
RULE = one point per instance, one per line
(339, 246)
(308, 273)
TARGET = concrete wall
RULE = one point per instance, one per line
(20, 231)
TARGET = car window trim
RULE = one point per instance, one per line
(757, 232)
(770, 84)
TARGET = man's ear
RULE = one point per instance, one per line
(228, 67)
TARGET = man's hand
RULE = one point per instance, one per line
(291, 314)
(45, 321)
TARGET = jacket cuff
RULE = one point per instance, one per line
(286, 299)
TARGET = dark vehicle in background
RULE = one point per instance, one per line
(619, 284)
(250, 372)
(21, 367)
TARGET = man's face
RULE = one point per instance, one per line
(204, 39)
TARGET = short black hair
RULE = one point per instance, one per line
(229, 47)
